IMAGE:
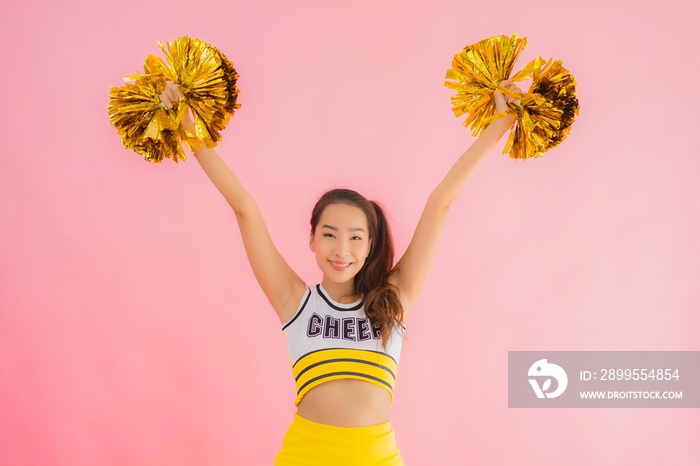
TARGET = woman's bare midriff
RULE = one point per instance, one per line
(346, 403)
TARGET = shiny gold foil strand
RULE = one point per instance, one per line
(478, 70)
(144, 126)
(546, 113)
(558, 86)
(230, 78)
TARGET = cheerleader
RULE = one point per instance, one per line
(344, 334)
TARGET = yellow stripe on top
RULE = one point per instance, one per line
(324, 365)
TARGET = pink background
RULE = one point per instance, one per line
(132, 330)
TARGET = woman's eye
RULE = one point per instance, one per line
(328, 235)
(356, 237)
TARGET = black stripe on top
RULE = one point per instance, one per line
(353, 349)
(381, 366)
(337, 308)
(346, 373)
(307, 293)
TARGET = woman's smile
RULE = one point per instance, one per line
(340, 266)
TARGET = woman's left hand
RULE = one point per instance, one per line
(501, 100)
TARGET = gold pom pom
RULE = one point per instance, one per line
(208, 82)
(143, 124)
(479, 70)
(546, 112)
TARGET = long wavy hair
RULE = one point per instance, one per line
(381, 299)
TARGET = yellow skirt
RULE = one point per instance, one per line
(309, 443)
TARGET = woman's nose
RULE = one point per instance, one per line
(341, 249)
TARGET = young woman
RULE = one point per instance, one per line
(344, 334)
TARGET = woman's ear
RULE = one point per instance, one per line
(369, 249)
(311, 241)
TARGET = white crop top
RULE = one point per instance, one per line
(328, 340)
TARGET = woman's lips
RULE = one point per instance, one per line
(340, 266)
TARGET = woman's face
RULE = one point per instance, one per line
(341, 242)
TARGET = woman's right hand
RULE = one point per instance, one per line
(173, 93)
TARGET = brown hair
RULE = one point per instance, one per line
(381, 299)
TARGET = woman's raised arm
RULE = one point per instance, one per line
(413, 268)
(282, 286)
